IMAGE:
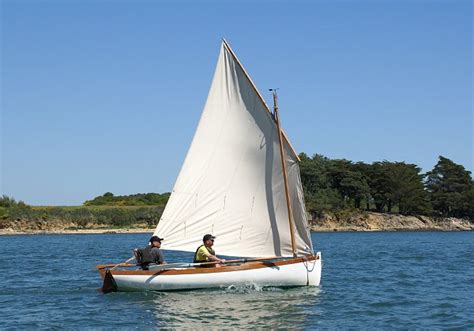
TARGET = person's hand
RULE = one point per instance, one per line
(222, 260)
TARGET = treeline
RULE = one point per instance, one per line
(8, 202)
(85, 217)
(329, 185)
(447, 190)
(140, 199)
(104, 211)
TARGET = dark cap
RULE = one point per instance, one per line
(155, 238)
(208, 237)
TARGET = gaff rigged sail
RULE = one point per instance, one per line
(231, 184)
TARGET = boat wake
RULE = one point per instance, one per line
(251, 287)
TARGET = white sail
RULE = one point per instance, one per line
(231, 183)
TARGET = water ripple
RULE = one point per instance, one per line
(377, 280)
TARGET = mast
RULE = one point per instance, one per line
(285, 176)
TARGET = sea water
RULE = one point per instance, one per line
(388, 280)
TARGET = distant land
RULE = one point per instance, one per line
(340, 195)
(348, 222)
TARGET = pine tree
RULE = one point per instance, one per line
(405, 188)
(450, 188)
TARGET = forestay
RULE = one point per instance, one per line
(231, 183)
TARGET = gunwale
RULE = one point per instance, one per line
(204, 270)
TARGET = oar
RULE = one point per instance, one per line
(114, 265)
(184, 264)
(199, 264)
(126, 262)
(253, 260)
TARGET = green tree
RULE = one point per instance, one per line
(10, 202)
(319, 194)
(405, 188)
(376, 175)
(7, 202)
(139, 199)
(313, 172)
(351, 184)
(450, 188)
(364, 170)
(355, 187)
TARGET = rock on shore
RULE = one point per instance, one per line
(356, 221)
(370, 221)
(59, 226)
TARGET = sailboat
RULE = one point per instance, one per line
(240, 182)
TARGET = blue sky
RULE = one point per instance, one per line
(101, 96)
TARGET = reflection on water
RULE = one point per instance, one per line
(245, 307)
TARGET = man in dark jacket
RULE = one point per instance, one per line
(151, 253)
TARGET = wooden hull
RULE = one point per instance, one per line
(283, 273)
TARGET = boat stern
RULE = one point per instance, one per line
(314, 270)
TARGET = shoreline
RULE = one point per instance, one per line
(344, 230)
(382, 222)
(139, 231)
(150, 232)
(327, 222)
(81, 231)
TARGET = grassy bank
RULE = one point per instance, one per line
(57, 218)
